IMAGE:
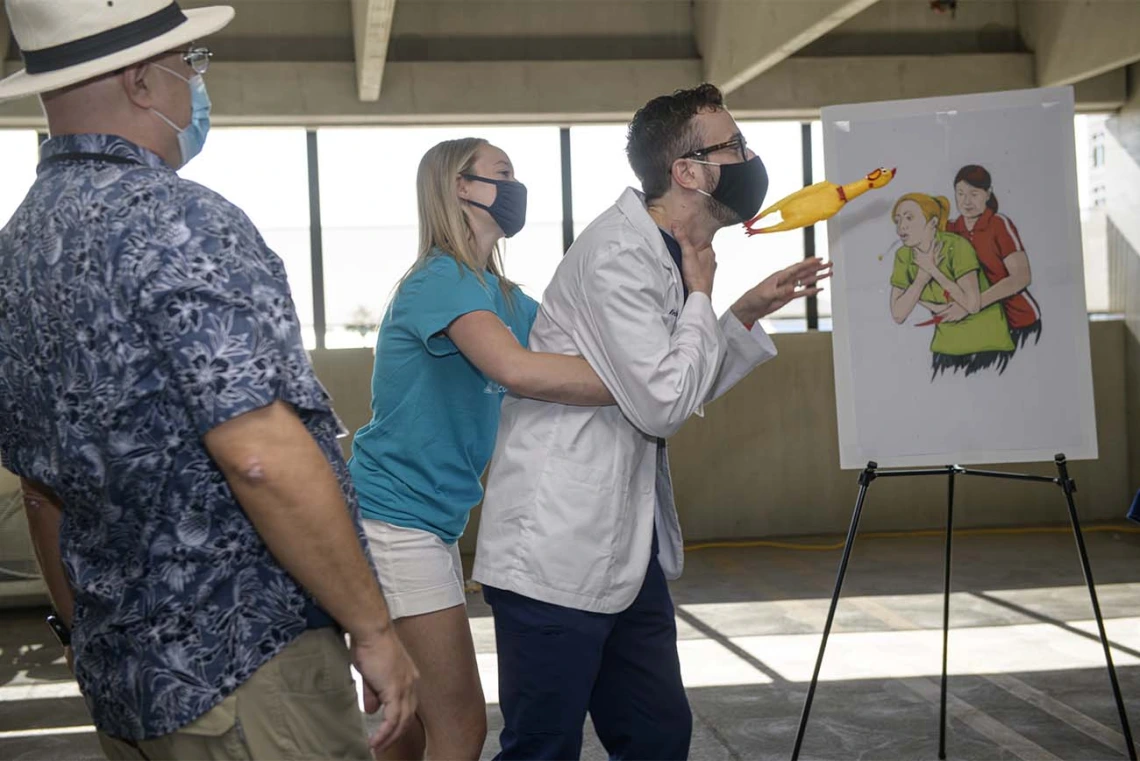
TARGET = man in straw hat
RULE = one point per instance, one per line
(191, 510)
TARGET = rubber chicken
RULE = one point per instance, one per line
(818, 202)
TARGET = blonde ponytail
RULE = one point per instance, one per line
(932, 206)
(943, 212)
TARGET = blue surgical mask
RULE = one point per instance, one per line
(192, 137)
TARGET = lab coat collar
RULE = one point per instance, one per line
(631, 204)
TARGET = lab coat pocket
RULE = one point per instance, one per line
(575, 528)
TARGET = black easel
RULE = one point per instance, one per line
(1068, 486)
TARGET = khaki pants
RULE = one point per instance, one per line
(300, 705)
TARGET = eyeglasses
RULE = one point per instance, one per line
(198, 59)
(737, 143)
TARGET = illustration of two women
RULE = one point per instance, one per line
(971, 273)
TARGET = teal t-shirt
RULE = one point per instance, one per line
(418, 462)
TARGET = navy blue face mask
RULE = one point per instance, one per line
(741, 187)
(509, 208)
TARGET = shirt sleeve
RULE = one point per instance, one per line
(529, 309)
(440, 293)
(221, 318)
(962, 258)
(900, 277)
(1006, 235)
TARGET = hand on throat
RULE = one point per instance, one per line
(670, 216)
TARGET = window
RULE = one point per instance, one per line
(20, 151)
(599, 171)
(1088, 130)
(369, 217)
(819, 174)
(370, 221)
(742, 262)
(265, 173)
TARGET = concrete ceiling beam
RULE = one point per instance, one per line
(371, 30)
(1079, 39)
(739, 41)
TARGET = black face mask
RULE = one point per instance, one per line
(742, 186)
(509, 207)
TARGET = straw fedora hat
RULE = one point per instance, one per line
(65, 42)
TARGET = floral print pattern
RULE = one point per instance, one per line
(138, 311)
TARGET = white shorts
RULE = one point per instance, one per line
(419, 572)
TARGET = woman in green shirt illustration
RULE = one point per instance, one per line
(934, 268)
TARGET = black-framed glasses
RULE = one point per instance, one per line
(198, 59)
(737, 143)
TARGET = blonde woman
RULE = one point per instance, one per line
(936, 268)
(452, 342)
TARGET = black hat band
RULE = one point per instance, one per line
(105, 43)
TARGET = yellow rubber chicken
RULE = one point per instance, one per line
(817, 202)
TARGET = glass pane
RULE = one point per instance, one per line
(370, 223)
(1091, 183)
(821, 250)
(19, 153)
(265, 172)
(599, 169)
(742, 262)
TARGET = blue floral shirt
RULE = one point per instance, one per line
(138, 311)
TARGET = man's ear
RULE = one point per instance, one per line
(135, 85)
(685, 174)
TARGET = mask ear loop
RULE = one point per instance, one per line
(477, 178)
(164, 117)
(706, 163)
(171, 72)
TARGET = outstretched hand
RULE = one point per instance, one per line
(776, 291)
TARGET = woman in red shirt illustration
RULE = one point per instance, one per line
(1000, 252)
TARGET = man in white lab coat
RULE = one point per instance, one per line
(579, 531)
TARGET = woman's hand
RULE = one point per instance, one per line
(953, 312)
(929, 260)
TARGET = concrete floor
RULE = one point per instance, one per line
(1028, 679)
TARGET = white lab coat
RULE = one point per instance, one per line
(573, 493)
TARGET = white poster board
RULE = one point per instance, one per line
(1010, 381)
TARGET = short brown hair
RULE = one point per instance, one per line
(662, 131)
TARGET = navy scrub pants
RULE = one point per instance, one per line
(556, 664)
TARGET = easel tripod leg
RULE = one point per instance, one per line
(1068, 486)
(946, 611)
(865, 480)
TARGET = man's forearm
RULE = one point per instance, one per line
(290, 493)
(44, 513)
(302, 518)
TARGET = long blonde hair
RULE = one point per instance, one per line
(443, 225)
